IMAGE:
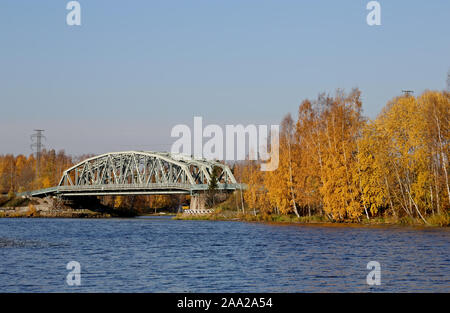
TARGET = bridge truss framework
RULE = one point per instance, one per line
(140, 173)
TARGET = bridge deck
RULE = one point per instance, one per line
(126, 189)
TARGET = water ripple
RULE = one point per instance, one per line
(163, 255)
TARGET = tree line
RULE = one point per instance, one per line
(335, 162)
(19, 173)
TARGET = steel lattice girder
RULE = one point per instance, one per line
(144, 170)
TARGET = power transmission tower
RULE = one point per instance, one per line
(37, 144)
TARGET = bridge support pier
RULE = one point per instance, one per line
(198, 202)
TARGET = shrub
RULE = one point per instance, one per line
(16, 202)
(442, 220)
(31, 210)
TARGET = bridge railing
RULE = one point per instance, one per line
(49, 190)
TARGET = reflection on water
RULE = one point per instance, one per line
(157, 254)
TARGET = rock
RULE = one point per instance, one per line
(49, 208)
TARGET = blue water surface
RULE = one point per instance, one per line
(158, 254)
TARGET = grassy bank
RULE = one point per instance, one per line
(228, 215)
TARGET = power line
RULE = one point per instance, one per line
(38, 146)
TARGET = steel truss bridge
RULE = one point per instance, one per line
(140, 173)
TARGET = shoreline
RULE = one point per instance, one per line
(88, 214)
(48, 207)
(313, 221)
(51, 208)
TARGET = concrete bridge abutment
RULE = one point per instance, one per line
(198, 202)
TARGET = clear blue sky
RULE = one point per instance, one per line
(134, 69)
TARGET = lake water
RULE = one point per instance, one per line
(157, 254)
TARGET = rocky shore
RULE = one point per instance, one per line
(46, 207)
